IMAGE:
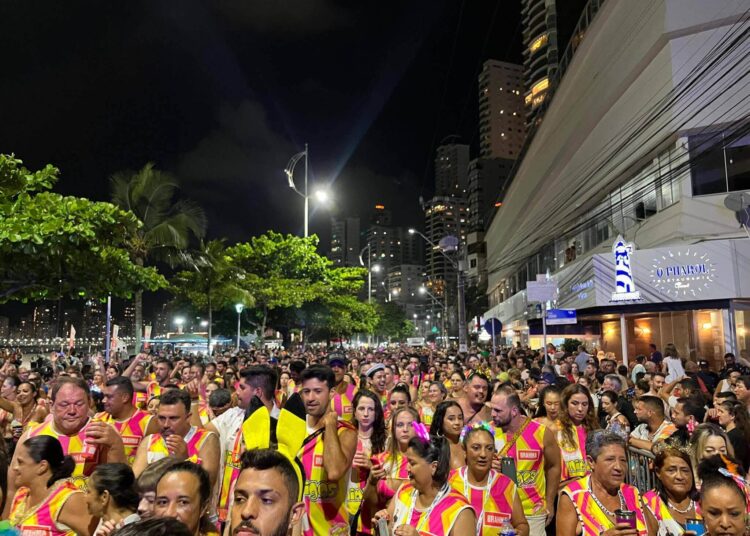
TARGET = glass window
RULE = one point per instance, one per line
(707, 164)
(738, 165)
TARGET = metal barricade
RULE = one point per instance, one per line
(640, 472)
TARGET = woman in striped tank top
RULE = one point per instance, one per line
(492, 494)
(427, 505)
(46, 503)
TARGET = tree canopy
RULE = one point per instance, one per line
(55, 246)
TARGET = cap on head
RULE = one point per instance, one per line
(337, 359)
(375, 368)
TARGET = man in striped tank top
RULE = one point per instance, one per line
(130, 422)
(178, 439)
(326, 456)
(532, 458)
(87, 441)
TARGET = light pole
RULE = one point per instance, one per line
(239, 307)
(179, 321)
(370, 269)
(436, 301)
(462, 334)
(321, 195)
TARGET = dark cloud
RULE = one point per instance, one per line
(236, 171)
(291, 18)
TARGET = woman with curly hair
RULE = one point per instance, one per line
(577, 419)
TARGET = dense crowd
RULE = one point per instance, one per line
(397, 441)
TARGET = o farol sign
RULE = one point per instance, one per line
(687, 273)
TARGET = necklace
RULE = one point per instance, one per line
(691, 504)
(426, 516)
(604, 508)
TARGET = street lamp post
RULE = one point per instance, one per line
(239, 307)
(179, 321)
(444, 307)
(321, 195)
(461, 306)
(370, 268)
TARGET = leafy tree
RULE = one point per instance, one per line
(54, 246)
(168, 225)
(571, 345)
(285, 271)
(392, 322)
(212, 281)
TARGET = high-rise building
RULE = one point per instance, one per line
(451, 168)
(127, 329)
(412, 247)
(381, 215)
(487, 181)
(345, 241)
(501, 111)
(94, 320)
(540, 53)
(4, 327)
(403, 285)
(45, 321)
(444, 217)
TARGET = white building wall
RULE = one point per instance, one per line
(633, 54)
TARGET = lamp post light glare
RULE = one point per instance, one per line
(321, 196)
(179, 321)
(239, 307)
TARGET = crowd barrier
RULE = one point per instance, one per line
(640, 474)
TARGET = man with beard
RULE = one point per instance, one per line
(344, 392)
(326, 456)
(266, 496)
(654, 426)
(178, 439)
(534, 456)
(162, 373)
(256, 380)
(473, 402)
(686, 415)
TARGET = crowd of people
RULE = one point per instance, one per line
(396, 441)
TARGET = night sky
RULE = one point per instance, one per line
(223, 93)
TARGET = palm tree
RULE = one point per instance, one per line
(167, 225)
(212, 281)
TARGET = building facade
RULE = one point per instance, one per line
(345, 240)
(501, 110)
(451, 170)
(660, 138)
(540, 52)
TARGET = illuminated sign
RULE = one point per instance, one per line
(682, 273)
(624, 283)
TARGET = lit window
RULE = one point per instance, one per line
(538, 43)
(540, 86)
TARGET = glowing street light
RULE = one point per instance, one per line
(239, 307)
